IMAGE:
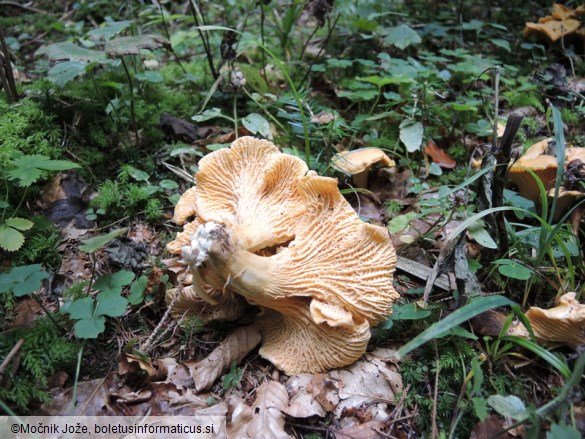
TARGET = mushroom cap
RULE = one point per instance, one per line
(552, 29)
(358, 160)
(564, 323)
(564, 200)
(250, 187)
(185, 207)
(545, 168)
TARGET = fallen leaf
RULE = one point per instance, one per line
(302, 389)
(439, 156)
(234, 348)
(267, 412)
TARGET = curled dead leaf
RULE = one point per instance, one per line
(234, 348)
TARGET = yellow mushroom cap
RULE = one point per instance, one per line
(329, 278)
(552, 29)
(359, 161)
(564, 200)
(250, 187)
(545, 168)
(564, 323)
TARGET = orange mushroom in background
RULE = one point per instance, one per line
(540, 159)
(359, 162)
(269, 231)
(561, 23)
(563, 324)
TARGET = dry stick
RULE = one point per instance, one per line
(434, 430)
(10, 356)
(6, 70)
(503, 156)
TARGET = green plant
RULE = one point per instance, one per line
(233, 377)
(90, 313)
(26, 170)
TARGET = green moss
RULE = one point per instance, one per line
(26, 128)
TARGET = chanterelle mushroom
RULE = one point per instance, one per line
(359, 162)
(286, 240)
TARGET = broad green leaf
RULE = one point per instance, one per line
(90, 328)
(92, 245)
(207, 114)
(3, 204)
(113, 283)
(81, 308)
(67, 51)
(411, 134)
(23, 280)
(168, 184)
(480, 408)
(402, 36)
(504, 44)
(10, 239)
(110, 304)
(381, 82)
(478, 232)
(119, 47)
(513, 269)
(137, 290)
(472, 309)
(509, 406)
(410, 311)
(29, 167)
(400, 222)
(137, 174)
(253, 78)
(19, 223)
(256, 124)
(60, 74)
(108, 30)
(563, 431)
(358, 95)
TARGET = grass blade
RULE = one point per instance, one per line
(476, 307)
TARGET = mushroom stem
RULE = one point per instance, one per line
(214, 245)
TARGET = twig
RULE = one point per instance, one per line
(10, 356)
(6, 74)
(434, 430)
(26, 8)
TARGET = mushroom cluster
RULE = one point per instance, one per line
(540, 160)
(562, 22)
(267, 231)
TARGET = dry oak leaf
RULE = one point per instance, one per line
(268, 418)
(234, 348)
(302, 389)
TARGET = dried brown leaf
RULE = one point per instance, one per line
(267, 412)
(439, 156)
(302, 389)
(234, 348)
